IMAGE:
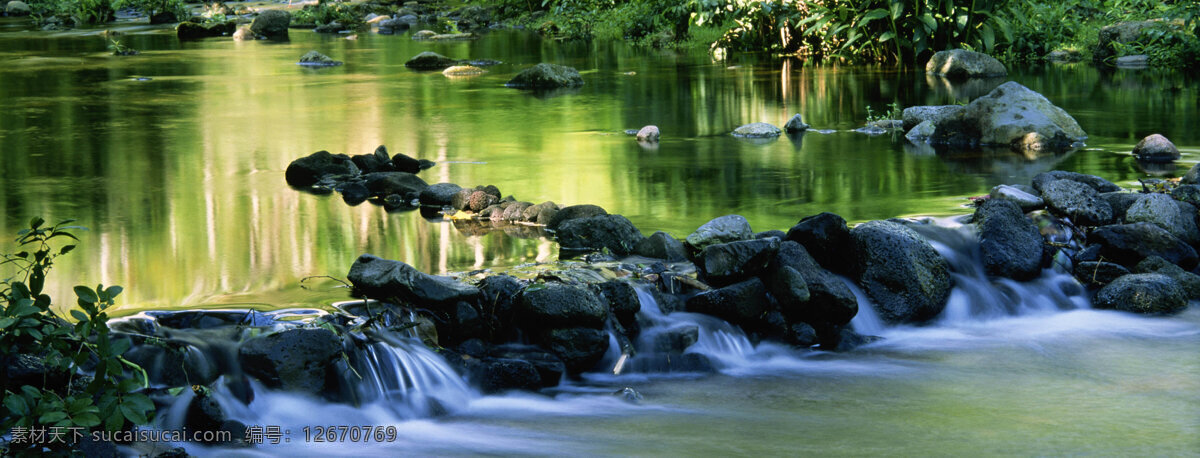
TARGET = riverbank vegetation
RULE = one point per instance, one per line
(872, 30)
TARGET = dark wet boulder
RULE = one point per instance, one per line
(440, 194)
(1128, 244)
(1077, 201)
(578, 348)
(497, 296)
(622, 300)
(801, 335)
(194, 31)
(380, 278)
(574, 212)
(1190, 282)
(960, 63)
(20, 369)
(429, 61)
(676, 339)
(494, 375)
(402, 162)
(1120, 202)
(316, 59)
(661, 245)
(728, 263)
(773, 233)
(757, 130)
(375, 162)
(789, 289)
(830, 300)
(844, 339)
(1099, 184)
(900, 271)
(1155, 148)
(742, 303)
(1009, 242)
(1099, 273)
(298, 360)
(354, 193)
(307, 170)
(272, 24)
(546, 76)
(826, 238)
(1163, 211)
(556, 305)
(398, 183)
(204, 413)
(549, 367)
(612, 232)
(1149, 294)
(1025, 200)
(724, 229)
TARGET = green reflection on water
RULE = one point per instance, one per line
(180, 177)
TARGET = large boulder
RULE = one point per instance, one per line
(1167, 213)
(272, 24)
(904, 276)
(612, 232)
(1151, 294)
(728, 228)
(727, 263)
(194, 31)
(384, 279)
(299, 360)
(556, 305)
(1099, 273)
(494, 375)
(546, 76)
(742, 303)
(1122, 33)
(757, 130)
(1190, 282)
(1010, 243)
(307, 170)
(387, 183)
(1155, 148)
(578, 348)
(796, 124)
(960, 63)
(661, 245)
(1120, 202)
(1192, 176)
(830, 303)
(932, 113)
(647, 134)
(1011, 112)
(826, 238)
(573, 212)
(1129, 244)
(622, 300)
(1077, 201)
(430, 61)
(17, 8)
(439, 194)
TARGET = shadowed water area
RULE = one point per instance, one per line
(174, 159)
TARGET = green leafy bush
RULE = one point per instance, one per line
(64, 395)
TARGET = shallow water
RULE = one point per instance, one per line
(180, 178)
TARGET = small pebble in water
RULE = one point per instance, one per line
(629, 394)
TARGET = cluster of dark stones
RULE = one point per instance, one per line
(390, 180)
(1136, 251)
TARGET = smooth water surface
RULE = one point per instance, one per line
(180, 177)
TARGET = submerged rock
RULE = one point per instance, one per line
(1155, 148)
(546, 76)
(429, 61)
(463, 70)
(757, 130)
(647, 134)
(316, 59)
(901, 272)
(960, 63)
(1151, 294)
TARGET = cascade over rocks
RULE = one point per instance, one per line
(1010, 243)
(900, 271)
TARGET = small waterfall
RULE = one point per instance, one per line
(685, 342)
(411, 379)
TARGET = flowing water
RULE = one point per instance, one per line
(175, 160)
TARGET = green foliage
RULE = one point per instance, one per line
(30, 329)
(119, 49)
(895, 111)
(345, 13)
(153, 7)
